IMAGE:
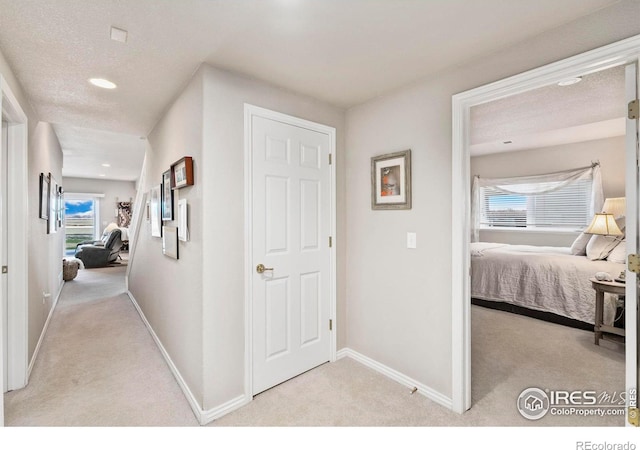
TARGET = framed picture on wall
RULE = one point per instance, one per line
(52, 221)
(170, 241)
(44, 196)
(154, 210)
(391, 181)
(167, 196)
(60, 208)
(183, 230)
(182, 171)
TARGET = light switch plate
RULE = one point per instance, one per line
(412, 241)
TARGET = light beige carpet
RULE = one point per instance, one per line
(98, 366)
(509, 353)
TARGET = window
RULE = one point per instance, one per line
(82, 220)
(548, 202)
(566, 207)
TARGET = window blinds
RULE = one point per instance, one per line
(561, 200)
(567, 207)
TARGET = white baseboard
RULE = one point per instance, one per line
(44, 331)
(393, 374)
(219, 411)
(203, 416)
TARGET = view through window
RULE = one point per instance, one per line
(80, 219)
(567, 207)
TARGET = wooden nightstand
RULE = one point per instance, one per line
(605, 331)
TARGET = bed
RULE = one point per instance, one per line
(547, 280)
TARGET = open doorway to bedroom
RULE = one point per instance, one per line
(543, 163)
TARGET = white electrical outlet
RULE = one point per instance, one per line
(412, 240)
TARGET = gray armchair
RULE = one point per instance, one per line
(101, 255)
(103, 239)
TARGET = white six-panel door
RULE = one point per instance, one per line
(291, 227)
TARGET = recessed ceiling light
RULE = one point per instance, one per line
(118, 34)
(106, 165)
(570, 81)
(101, 82)
(102, 175)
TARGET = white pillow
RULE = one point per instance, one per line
(599, 246)
(619, 253)
(579, 246)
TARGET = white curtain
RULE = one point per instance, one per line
(534, 185)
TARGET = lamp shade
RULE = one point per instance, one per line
(604, 224)
(617, 206)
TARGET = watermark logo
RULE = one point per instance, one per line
(533, 403)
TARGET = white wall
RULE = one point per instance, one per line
(399, 300)
(114, 191)
(45, 250)
(196, 304)
(169, 291)
(223, 288)
(610, 152)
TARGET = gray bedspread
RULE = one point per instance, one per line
(540, 278)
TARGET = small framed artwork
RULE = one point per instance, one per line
(182, 172)
(60, 207)
(167, 196)
(170, 241)
(183, 230)
(391, 181)
(44, 196)
(154, 209)
(147, 207)
(53, 206)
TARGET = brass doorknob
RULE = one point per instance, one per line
(260, 268)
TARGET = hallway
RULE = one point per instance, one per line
(99, 366)
(96, 357)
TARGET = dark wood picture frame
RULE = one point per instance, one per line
(167, 196)
(182, 172)
(44, 196)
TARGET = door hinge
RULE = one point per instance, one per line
(634, 109)
(633, 415)
(330, 325)
(5, 269)
(330, 242)
(330, 159)
(634, 263)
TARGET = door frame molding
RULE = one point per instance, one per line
(17, 248)
(616, 54)
(251, 111)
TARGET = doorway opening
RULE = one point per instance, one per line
(544, 162)
(14, 245)
(621, 53)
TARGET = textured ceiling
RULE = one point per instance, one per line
(86, 150)
(341, 51)
(592, 109)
